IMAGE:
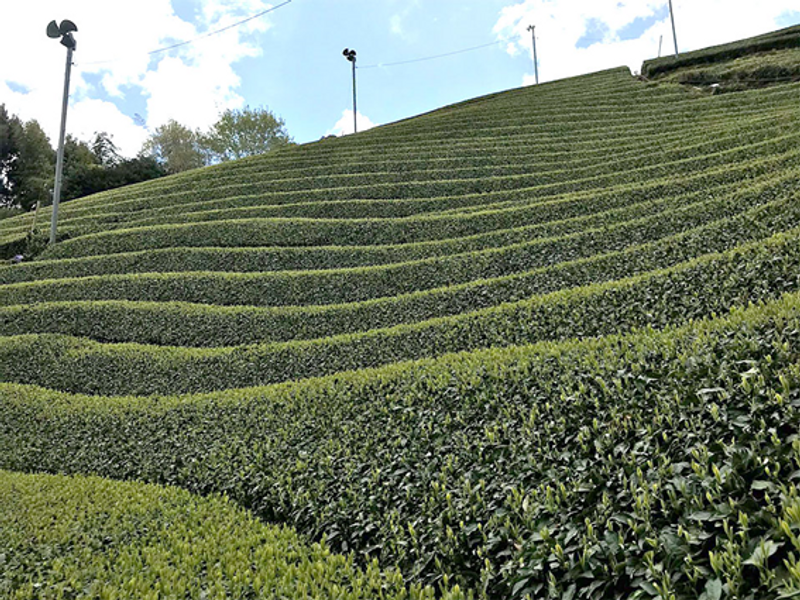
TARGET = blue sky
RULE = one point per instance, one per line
(290, 60)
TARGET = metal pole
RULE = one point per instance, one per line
(532, 29)
(660, 41)
(355, 105)
(674, 35)
(60, 155)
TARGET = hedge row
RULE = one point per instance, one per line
(556, 132)
(778, 40)
(307, 232)
(694, 289)
(264, 182)
(70, 537)
(248, 259)
(238, 208)
(177, 324)
(619, 92)
(404, 160)
(635, 203)
(614, 468)
(645, 137)
(417, 189)
(289, 157)
(557, 217)
(204, 209)
(358, 284)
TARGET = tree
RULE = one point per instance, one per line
(32, 168)
(81, 165)
(84, 174)
(245, 132)
(8, 152)
(176, 147)
(104, 149)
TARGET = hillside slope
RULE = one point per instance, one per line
(540, 343)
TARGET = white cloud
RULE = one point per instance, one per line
(344, 126)
(397, 21)
(85, 117)
(191, 84)
(561, 23)
(396, 24)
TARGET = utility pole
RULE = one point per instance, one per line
(532, 29)
(674, 35)
(351, 56)
(64, 31)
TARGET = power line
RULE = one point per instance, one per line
(202, 37)
(435, 56)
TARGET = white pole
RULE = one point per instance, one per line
(60, 155)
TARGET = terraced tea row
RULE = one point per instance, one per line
(712, 283)
(512, 471)
(237, 207)
(104, 200)
(62, 537)
(358, 284)
(174, 323)
(307, 232)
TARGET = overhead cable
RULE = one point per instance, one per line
(205, 35)
(435, 56)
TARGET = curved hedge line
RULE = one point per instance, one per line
(608, 207)
(69, 537)
(306, 232)
(445, 188)
(354, 285)
(231, 207)
(712, 283)
(612, 465)
(566, 215)
(180, 324)
(762, 127)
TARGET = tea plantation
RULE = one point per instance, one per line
(544, 343)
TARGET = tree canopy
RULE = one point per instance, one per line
(30, 164)
(27, 160)
(176, 147)
(244, 132)
(27, 165)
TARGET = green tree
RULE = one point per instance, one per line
(85, 173)
(104, 149)
(80, 165)
(245, 132)
(32, 168)
(141, 168)
(7, 154)
(176, 147)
